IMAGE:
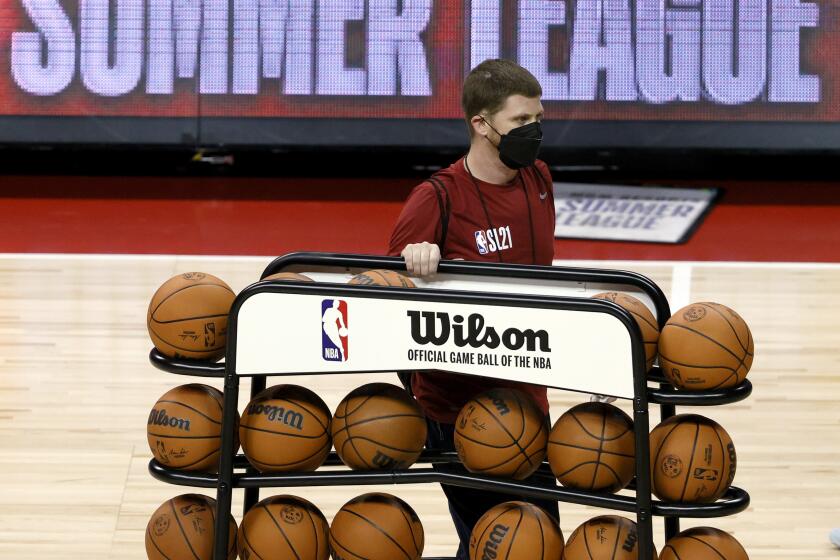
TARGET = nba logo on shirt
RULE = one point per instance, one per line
(334, 330)
(481, 242)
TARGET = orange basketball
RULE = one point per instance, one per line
(644, 318)
(516, 531)
(703, 543)
(501, 432)
(188, 316)
(185, 428)
(381, 277)
(376, 526)
(378, 426)
(282, 528)
(705, 346)
(289, 276)
(692, 459)
(591, 447)
(608, 537)
(285, 428)
(183, 528)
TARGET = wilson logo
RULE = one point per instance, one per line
(429, 327)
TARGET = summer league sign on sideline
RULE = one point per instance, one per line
(626, 213)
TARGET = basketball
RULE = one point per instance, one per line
(378, 426)
(185, 426)
(591, 447)
(376, 526)
(381, 277)
(692, 459)
(285, 428)
(282, 528)
(608, 537)
(501, 432)
(703, 543)
(188, 316)
(183, 528)
(705, 346)
(516, 531)
(644, 318)
(280, 276)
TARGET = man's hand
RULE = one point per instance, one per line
(421, 259)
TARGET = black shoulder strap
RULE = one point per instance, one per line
(443, 204)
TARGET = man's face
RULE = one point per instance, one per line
(517, 111)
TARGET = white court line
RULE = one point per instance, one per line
(680, 286)
(558, 262)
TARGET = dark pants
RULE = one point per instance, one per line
(467, 505)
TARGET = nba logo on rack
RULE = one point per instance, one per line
(481, 243)
(334, 330)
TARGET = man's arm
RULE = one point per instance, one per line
(417, 231)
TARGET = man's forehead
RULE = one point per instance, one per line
(517, 104)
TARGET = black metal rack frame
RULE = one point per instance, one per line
(448, 469)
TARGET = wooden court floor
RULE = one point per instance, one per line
(76, 388)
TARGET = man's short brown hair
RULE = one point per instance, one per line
(489, 85)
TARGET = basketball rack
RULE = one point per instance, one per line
(531, 292)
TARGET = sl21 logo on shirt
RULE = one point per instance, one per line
(493, 240)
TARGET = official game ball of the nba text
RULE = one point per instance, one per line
(692, 459)
(376, 526)
(644, 318)
(378, 426)
(706, 346)
(501, 432)
(184, 429)
(184, 528)
(516, 531)
(703, 543)
(285, 428)
(188, 316)
(284, 528)
(381, 277)
(607, 537)
(294, 276)
(592, 447)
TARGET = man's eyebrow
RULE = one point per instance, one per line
(526, 115)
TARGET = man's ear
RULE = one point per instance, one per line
(478, 125)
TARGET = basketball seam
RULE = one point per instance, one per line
(191, 408)
(723, 462)
(692, 537)
(314, 533)
(731, 369)
(380, 444)
(305, 459)
(600, 446)
(245, 538)
(491, 521)
(302, 436)
(210, 391)
(605, 452)
(315, 416)
(410, 530)
(586, 541)
(360, 405)
(542, 537)
(659, 450)
(282, 532)
(152, 539)
(355, 449)
(152, 314)
(516, 443)
(333, 538)
(707, 337)
(368, 420)
(731, 326)
(691, 461)
(515, 530)
(196, 318)
(673, 550)
(615, 546)
(522, 414)
(183, 533)
(378, 528)
(181, 347)
(198, 460)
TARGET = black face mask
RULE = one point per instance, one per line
(519, 147)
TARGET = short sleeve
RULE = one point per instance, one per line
(420, 220)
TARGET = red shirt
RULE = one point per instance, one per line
(512, 235)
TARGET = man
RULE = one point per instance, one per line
(495, 204)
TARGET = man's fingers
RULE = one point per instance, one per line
(406, 254)
(434, 259)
